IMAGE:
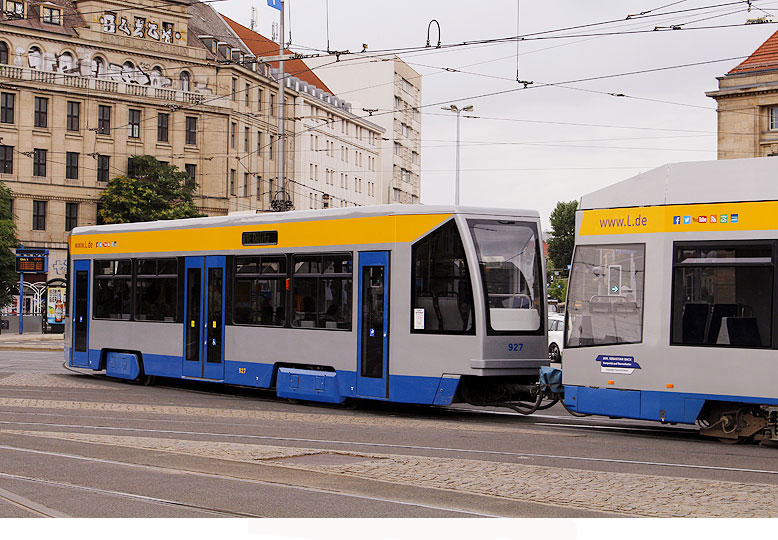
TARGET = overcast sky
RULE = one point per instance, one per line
(530, 148)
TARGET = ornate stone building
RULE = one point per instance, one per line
(747, 101)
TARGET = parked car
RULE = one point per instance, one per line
(556, 340)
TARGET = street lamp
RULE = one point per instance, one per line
(454, 108)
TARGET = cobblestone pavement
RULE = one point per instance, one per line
(620, 493)
(46, 380)
(340, 419)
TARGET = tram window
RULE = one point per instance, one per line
(156, 290)
(441, 283)
(259, 294)
(509, 260)
(112, 289)
(605, 299)
(723, 295)
(322, 289)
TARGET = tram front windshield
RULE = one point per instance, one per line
(508, 257)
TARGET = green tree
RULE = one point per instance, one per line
(557, 289)
(8, 240)
(562, 240)
(150, 191)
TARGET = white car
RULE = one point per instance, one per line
(556, 340)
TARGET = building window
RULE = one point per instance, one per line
(259, 143)
(71, 166)
(774, 119)
(41, 114)
(163, 120)
(15, 8)
(73, 120)
(233, 129)
(103, 166)
(191, 171)
(51, 15)
(6, 159)
(71, 216)
(133, 125)
(259, 296)
(156, 290)
(39, 162)
(723, 294)
(271, 105)
(112, 289)
(259, 188)
(606, 290)
(3, 53)
(245, 184)
(191, 130)
(246, 139)
(405, 174)
(232, 181)
(322, 291)
(7, 108)
(104, 120)
(234, 89)
(183, 81)
(246, 97)
(259, 99)
(38, 215)
(270, 147)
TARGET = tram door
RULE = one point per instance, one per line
(80, 313)
(204, 317)
(373, 324)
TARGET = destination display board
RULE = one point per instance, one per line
(32, 262)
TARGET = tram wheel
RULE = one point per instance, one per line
(554, 354)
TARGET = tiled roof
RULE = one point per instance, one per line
(204, 20)
(262, 46)
(764, 58)
(71, 19)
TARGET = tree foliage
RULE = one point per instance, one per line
(151, 191)
(557, 289)
(562, 240)
(8, 240)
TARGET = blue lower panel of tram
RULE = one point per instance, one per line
(339, 385)
(647, 405)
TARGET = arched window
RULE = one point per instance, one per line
(66, 62)
(3, 53)
(183, 81)
(156, 76)
(98, 67)
(128, 71)
(35, 58)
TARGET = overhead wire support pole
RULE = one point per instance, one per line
(281, 165)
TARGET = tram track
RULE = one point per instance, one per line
(217, 476)
(356, 445)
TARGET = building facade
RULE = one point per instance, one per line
(392, 100)
(86, 86)
(747, 105)
(336, 153)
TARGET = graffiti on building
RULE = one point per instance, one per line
(140, 28)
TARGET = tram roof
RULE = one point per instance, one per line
(700, 182)
(247, 218)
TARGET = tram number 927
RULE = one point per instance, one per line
(515, 347)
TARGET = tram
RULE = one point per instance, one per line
(412, 304)
(671, 308)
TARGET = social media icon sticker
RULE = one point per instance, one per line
(723, 218)
(733, 218)
(702, 219)
(676, 220)
(713, 219)
(687, 220)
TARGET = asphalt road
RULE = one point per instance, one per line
(79, 444)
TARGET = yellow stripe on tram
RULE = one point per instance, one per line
(320, 232)
(743, 216)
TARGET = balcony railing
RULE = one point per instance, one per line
(105, 85)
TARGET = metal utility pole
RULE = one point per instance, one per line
(281, 165)
(454, 108)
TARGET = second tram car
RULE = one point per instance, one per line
(413, 304)
(671, 308)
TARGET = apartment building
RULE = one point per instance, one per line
(387, 91)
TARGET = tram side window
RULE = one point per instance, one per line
(259, 295)
(442, 290)
(605, 298)
(156, 290)
(723, 294)
(113, 289)
(322, 289)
